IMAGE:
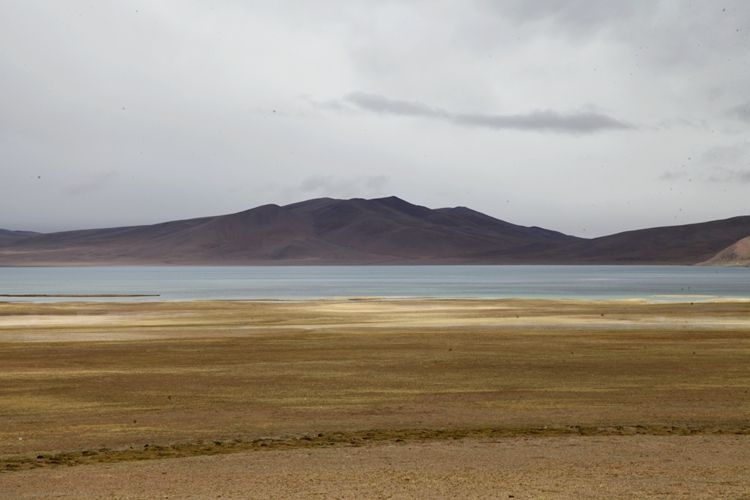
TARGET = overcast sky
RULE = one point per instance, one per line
(588, 117)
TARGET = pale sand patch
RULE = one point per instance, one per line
(521, 468)
(216, 318)
(32, 321)
(71, 335)
(569, 322)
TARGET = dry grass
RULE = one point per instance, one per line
(79, 378)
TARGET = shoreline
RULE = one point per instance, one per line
(653, 300)
(76, 295)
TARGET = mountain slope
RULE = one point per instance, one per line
(736, 254)
(358, 231)
(324, 230)
(7, 236)
(685, 244)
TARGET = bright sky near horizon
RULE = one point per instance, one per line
(584, 116)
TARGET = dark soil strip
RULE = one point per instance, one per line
(341, 439)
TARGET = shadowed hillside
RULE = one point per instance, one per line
(358, 231)
(7, 236)
(686, 244)
(319, 231)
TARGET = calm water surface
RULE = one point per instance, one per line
(195, 283)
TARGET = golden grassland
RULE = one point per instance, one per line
(101, 382)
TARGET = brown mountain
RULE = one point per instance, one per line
(7, 236)
(319, 231)
(359, 231)
(736, 254)
(685, 244)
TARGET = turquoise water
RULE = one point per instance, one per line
(667, 283)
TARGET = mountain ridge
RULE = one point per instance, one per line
(9, 236)
(385, 230)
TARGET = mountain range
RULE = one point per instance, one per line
(360, 231)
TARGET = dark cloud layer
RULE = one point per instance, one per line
(540, 121)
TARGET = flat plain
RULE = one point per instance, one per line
(107, 387)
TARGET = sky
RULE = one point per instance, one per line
(584, 116)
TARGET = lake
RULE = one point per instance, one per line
(667, 283)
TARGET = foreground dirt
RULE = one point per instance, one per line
(540, 467)
(353, 380)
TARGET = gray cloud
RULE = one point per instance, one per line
(376, 182)
(549, 121)
(720, 164)
(741, 112)
(328, 185)
(673, 175)
(93, 183)
(727, 163)
(540, 121)
(380, 104)
(575, 15)
(179, 98)
(725, 155)
(642, 27)
(724, 174)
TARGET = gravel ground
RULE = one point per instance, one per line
(523, 467)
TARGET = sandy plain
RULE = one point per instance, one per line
(458, 395)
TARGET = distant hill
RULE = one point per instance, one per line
(319, 231)
(7, 236)
(736, 254)
(359, 231)
(685, 244)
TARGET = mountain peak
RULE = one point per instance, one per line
(386, 230)
(389, 200)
